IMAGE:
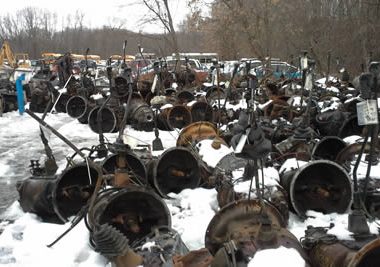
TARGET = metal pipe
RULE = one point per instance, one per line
(64, 139)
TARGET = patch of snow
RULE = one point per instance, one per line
(166, 106)
(323, 80)
(262, 106)
(352, 139)
(191, 103)
(332, 89)
(23, 242)
(277, 257)
(291, 164)
(211, 155)
(191, 211)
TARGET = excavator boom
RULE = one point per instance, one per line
(7, 54)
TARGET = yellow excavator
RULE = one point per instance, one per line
(7, 58)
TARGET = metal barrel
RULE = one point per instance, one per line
(136, 168)
(350, 254)
(73, 188)
(175, 170)
(77, 107)
(57, 198)
(328, 148)
(162, 122)
(176, 117)
(179, 117)
(248, 226)
(62, 102)
(201, 111)
(320, 185)
(133, 210)
(109, 120)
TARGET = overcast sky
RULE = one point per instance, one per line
(99, 13)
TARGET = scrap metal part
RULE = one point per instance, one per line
(35, 197)
(73, 189)
(348, 153)
(133, 210)
(195, 258)
(109, 121)
(134, 165)
(229, 163)
(328, 148)
(159, 247)
(215, 94)
(350, 127)
(233, 221)
(275, 195)
(175, 117)
(140, 114)
(330, 122)
(196, 132)
(372, 195)
(57, 198)
(201, 111)
(77, 107)
(185, 96)
(242, 228)
(325, 250)
(8, 102)
(320, 185)
(176, 169)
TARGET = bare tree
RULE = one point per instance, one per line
(160, 12)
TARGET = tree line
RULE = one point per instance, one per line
(34, 31)
(343, 30)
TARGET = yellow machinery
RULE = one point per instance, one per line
(7, 56)
(22, 60)
(129, 58)
(77, 57)
(13, 60)
(94, 57)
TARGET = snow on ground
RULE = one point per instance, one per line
(192, 210)
(277, 257)
(212, 155)
(24, 243)
(322, 81)
(24, 236)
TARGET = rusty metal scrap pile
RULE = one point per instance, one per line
(119, 191)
